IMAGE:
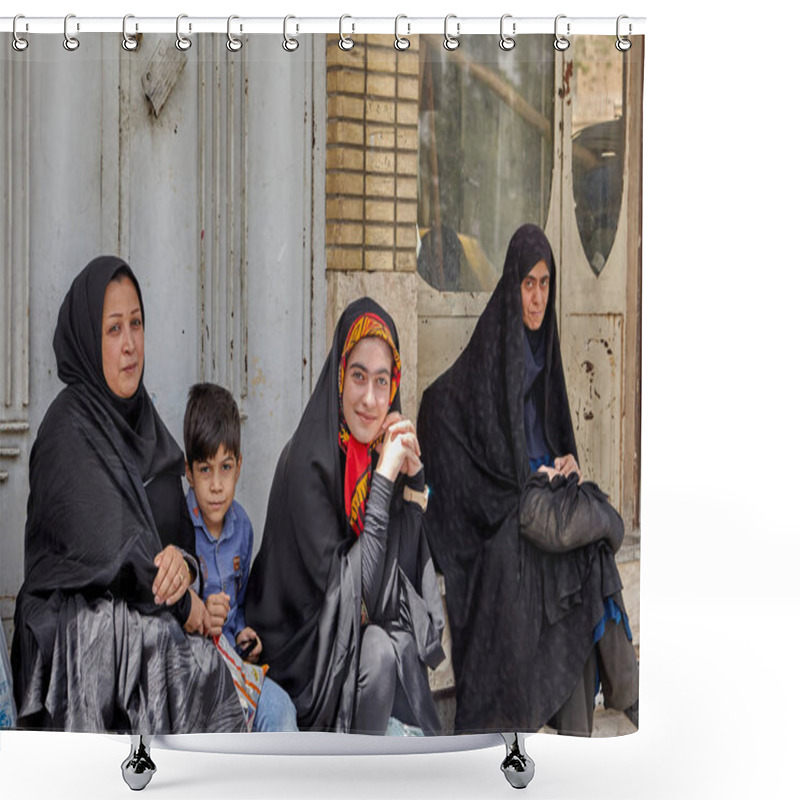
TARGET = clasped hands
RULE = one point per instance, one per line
(399, 450)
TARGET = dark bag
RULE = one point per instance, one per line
(563, 514)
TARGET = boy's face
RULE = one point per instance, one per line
(214, 484)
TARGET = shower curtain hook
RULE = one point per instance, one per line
(233, 44)
(345, 42)
(451, 42)
(129, 42)
(290, 44)
(560, 43)
(507, 42)
(70, 42)
(17, 42)
(623, 43)
(400, 42)
(181, 41)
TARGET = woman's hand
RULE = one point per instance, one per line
(248, 635)
(173, 577)
(399, 452)
(198, 621)
(394, 424)
(551, 472)
(566, 465)
(217, 605)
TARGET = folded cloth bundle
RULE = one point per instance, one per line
(564, 514)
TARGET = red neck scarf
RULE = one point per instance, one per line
(358, 456)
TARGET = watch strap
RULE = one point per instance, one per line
(420, 498)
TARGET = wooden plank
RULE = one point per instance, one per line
(632, 400)
(162, 74)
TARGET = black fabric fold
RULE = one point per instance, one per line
(114, 669)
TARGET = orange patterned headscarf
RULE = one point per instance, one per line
(358, 456)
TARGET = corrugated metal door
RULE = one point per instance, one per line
(199, 169)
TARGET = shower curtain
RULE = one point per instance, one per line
(257, 191)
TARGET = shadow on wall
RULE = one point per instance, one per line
(450, 261)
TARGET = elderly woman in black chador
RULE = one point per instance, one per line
(526, 547)
(101, 624)
(342, 592)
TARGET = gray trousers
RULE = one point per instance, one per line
(379, 694)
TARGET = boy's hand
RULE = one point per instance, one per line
(247, 635)
(173, 577)
(218, 605)
(199, 620)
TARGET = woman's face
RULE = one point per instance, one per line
(123, 338)
(366, 388)
(535, 290)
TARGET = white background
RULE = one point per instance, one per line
(720, 600)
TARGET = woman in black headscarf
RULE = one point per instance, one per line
(101, 623)
(342, 591)
(526, 546)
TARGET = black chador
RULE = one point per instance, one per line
(528, 562)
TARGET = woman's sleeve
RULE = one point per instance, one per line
(190, 555)
(373, 541)
(247, 554)
(175, 527)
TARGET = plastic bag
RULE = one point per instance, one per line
(247, 678)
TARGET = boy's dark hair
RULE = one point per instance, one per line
(211, 420)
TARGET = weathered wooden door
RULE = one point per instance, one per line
(597, 233)
(535, 135)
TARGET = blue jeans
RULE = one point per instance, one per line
(275, 711)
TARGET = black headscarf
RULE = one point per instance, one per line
(304, 591)
(513, 665)
(530, 246)
(79, 357)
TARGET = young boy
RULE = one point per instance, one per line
(224, 534)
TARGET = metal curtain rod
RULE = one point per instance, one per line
(633, 26)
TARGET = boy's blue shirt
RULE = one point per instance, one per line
(225, 562)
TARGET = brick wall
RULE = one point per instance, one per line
(371, 185)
